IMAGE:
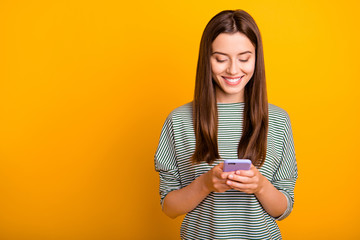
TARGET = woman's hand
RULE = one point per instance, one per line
(183, 200)
(215, 179)
(248, 181)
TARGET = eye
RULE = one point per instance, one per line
(243, 60)
(220, 60)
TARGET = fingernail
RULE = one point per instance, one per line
(231, 176)
(228, 182)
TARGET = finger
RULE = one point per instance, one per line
(225, 175)
(222, 187)
(241, 186)
(235, 185)
(246, 173)
(241, 179)
(221, 165)
(225, 187)
(218, 171)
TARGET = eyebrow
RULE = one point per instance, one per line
(227, 55)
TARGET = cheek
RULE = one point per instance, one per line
(249, 68)
(217, 68)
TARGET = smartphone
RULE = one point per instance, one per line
(232, 165)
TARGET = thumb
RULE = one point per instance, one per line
(220, 165)
(219, 170)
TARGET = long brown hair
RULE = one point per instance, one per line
(253, 142)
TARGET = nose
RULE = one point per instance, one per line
(233, 67)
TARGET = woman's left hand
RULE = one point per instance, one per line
(248, 181)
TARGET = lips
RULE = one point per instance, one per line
(232, 80)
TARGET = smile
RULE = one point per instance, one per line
(233, 80)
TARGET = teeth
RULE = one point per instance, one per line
(232, 80)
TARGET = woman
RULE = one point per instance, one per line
(229, 118)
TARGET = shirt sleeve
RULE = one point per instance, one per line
(286, 175)
(166, 162)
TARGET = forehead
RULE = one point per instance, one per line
(232, 43)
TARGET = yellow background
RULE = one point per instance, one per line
(86, 86)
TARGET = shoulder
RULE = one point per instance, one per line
(183, 112)
(277, 115)
(277, 112)
(179, 120)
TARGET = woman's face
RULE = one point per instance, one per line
(233, 64)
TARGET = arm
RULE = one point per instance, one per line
(181, 201)
(273, 201)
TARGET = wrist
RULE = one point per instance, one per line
(204, 187)
(262, 185)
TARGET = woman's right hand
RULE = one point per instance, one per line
(215, 179)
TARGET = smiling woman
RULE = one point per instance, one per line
(229, 118)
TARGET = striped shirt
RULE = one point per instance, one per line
(232, 214)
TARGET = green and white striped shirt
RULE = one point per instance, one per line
(232, 214)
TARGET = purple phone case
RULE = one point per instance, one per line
(232, 165)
